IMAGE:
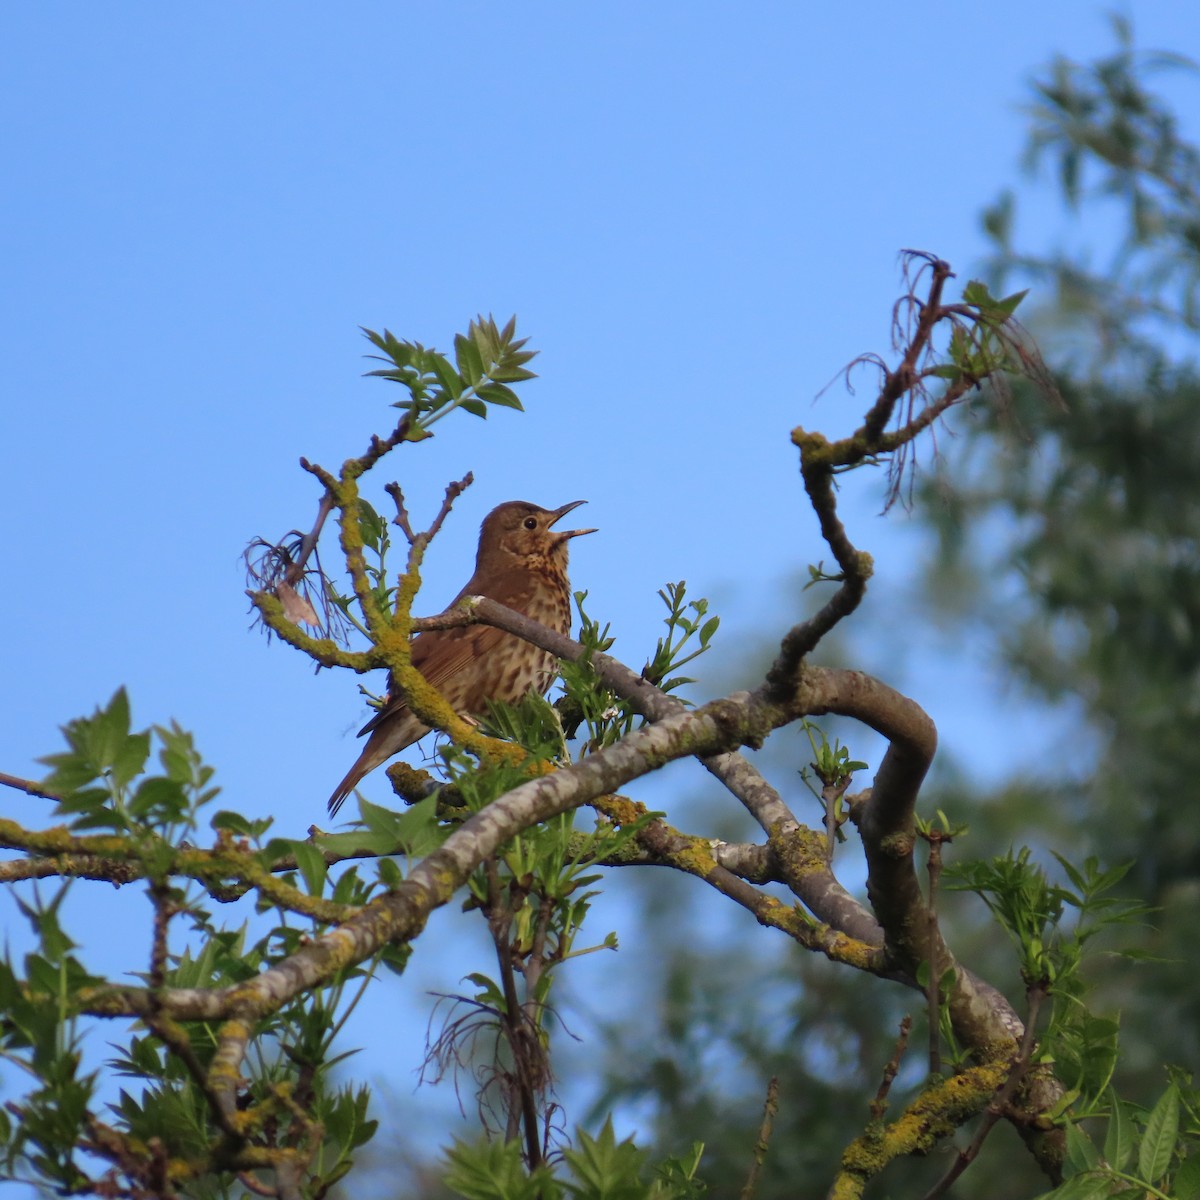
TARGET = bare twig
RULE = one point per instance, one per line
(378, 446)
(529, 1069)
(770, 1108)
(933, 985)
(453, 491)
(256, 1186)
(309, 542)
(28, 786)
(879, 1104)
(401, 519)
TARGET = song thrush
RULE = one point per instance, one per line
(521, 563)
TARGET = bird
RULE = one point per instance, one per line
(521, 563)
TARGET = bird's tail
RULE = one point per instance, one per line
(391, 730)
(366, 762)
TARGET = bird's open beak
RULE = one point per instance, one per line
(559, 513)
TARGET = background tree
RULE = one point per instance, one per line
(1069, 534)
(1100, 526)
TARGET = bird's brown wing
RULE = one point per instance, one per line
(440, 655)
(444, 657)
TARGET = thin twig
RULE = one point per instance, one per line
(401, 519)
(308, 543)
(251, 1184)
(527, 1072)
(28, 786)
(879, 1104)
(453, 491)
(770, 1108)
(933, 985)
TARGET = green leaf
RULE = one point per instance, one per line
(312, 866)
(389, 873)
(497, 393)
(358, 842)
(1081, 1151)
(348, 888)
(489, 992)
(483, 332)
(1118, 1141)
(180, 758)
(240, 825)
(98, 745)
(416, 830)
(604, 1166)
(1090, 1186)
(129, 758)
(371, 526)
(448, 377)
(70, 772)
(413, 832)
(1098, 1057)
(159, 801)
(948, 372)
(1158, 1141)
(976, 293)
(494, 1171)
(511, 374)
(375, 338)
(274, 850)
(111, 724)
(470, 361)
(1009, 304)
(1186, 1185)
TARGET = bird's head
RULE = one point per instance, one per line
(522, 535)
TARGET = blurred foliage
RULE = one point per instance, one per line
(1070, 534)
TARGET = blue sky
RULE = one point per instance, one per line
(696, 216)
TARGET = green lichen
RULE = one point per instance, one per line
(933, 1116)
(323, 650)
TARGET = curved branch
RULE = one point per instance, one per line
(886, 820)
(741, 778)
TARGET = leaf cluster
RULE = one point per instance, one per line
(590, 700)
(595, 1168)
(487, 359)
(1051, 926)
(987, 344)
(290, 1104)
(1152, 1151)
(685, 620)
(93, 777)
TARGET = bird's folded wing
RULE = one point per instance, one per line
(439, 656)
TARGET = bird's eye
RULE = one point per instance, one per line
(530, 522)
